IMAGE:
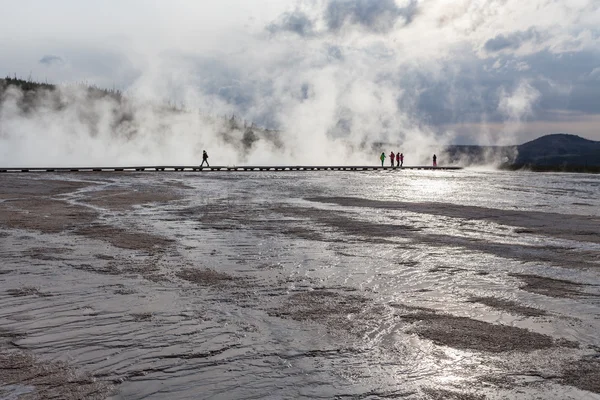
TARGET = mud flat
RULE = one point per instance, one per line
(25, 377)
(148, 286)
(509, 306)
(548, 223)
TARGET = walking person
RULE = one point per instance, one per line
(397, 159)
(382, 158)
(204, 159)
(434, 160)
(401, 159)
(392, 158)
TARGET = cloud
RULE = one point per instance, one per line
(375, 16)
(378, 16)
(51, 60)
(295, 22)
(336, 53)
(512, 41)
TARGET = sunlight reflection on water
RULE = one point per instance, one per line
(314, 293)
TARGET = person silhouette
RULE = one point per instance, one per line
(204, 159)
(434, 160)
(401, 159)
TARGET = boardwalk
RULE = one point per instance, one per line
(222, 168)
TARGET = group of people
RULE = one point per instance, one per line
(399, 158)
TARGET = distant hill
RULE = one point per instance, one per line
(559, 151)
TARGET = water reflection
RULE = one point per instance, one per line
(281, 285)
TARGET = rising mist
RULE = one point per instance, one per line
(308, 81)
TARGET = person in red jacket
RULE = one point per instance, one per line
(392, 158)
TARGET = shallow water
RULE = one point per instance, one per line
(393, 284)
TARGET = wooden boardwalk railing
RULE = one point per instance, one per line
(222, 168)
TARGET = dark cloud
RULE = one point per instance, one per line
(469, 91)
(375, 15)
(335, 53)
(512, 41)
(295, 22)
(51, 59)
(305, 91)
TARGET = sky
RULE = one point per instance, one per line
(453, 71)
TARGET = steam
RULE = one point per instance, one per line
(309, 81)
(519, 103)
(515, 105)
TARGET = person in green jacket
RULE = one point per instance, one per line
(382, 158)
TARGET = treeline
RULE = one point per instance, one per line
(124, 111)
(29, 85)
